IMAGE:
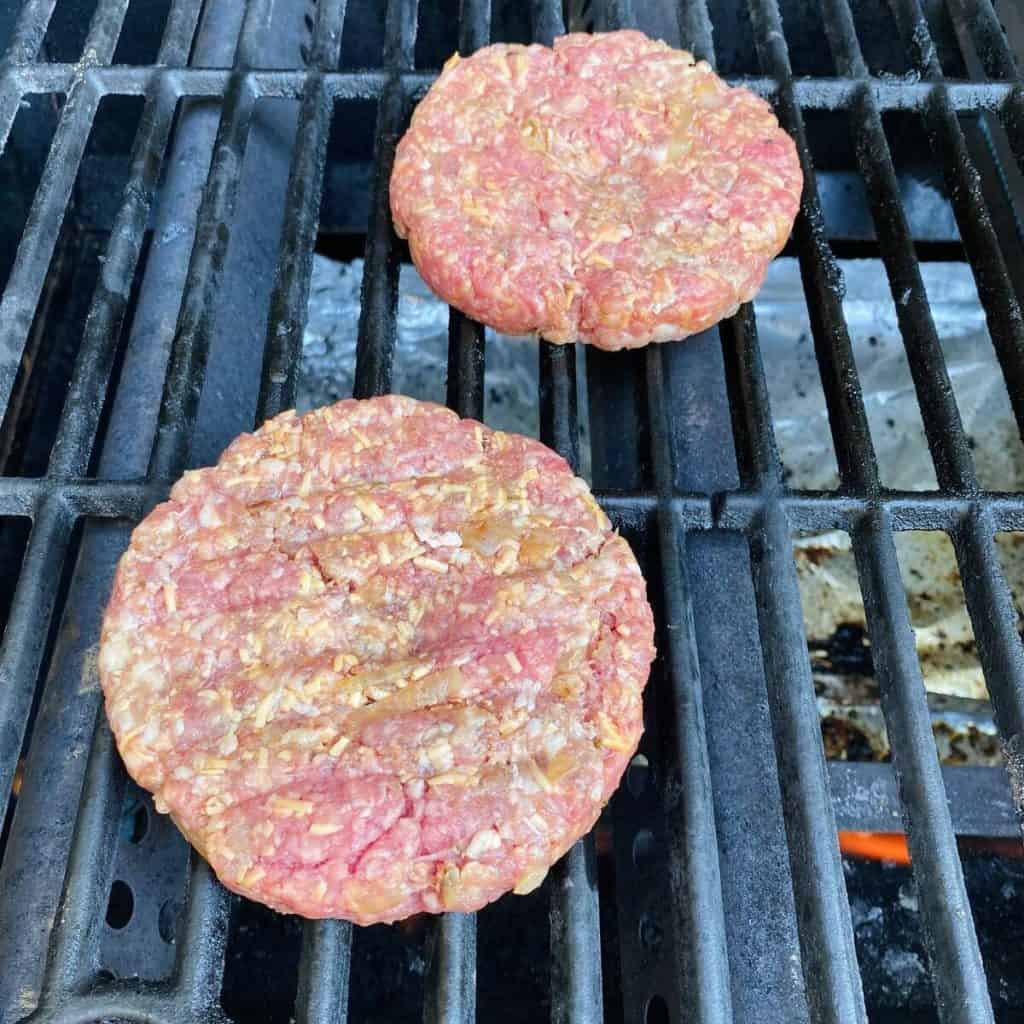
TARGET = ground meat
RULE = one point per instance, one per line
(378, 660)
(609, 190)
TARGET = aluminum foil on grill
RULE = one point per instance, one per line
(421, 350)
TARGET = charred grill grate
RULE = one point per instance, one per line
(693, 515)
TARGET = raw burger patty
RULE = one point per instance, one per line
(378, 660)
(609, 190)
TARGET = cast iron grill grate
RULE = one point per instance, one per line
(689, 519)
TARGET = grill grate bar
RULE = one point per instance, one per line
(74, 943)
(826, 936)
(829, 94)
(465, 366)
(994, 619)
(958, 976)
(325, 52)
(575, 937)
(375, 347)
(324, 972)
(42, 229)
(193, 994)
(183, 385)
(989, 602)
(988, 599)
(977, 19)
(451, 994)
(199, 969)
(806, 511)
(83, 406)
(290, 298)
(944, 429)
(574, 912)
(451, 988)
(618, 14)
(104, 1005)
(327, 945)
(995, 289)
(465, 336)
(52, 796)
(977, 22)
(546, 19)
(559, 424)
(865, 797)
(698, 912)
(29, 33)
(1011, 113)
(696, 29)
(28, 625)
(20, 496)
(322, 990)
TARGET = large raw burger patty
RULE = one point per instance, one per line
(378, 660)
(608, 190)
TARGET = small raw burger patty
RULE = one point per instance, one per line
(609, 190)
(378, 660)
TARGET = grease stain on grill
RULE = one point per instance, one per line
(846, 740)
(853, 727)
(846, 652)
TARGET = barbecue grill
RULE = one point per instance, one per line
(166, 291)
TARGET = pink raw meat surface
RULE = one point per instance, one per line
(378, 660)
(609, 190)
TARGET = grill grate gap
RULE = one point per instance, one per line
(66, 35)
(144, 26)
(75, 272)
(514, 956)
(261, 964)
(21, 164)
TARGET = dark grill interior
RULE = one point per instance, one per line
(170, 170)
